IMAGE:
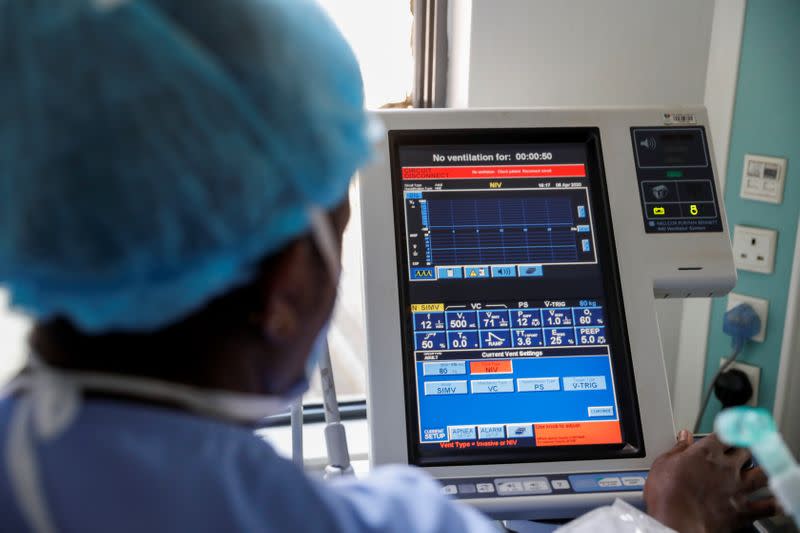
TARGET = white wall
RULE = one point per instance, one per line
(720, 95)
(525, 53)
(588, 52)
(459, 32)
(13, 331)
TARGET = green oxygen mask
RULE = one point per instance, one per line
(748, 427)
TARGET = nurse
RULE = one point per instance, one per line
(173, 183)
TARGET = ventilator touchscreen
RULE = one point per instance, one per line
(515, 345)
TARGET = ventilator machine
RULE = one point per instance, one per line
(511, 263)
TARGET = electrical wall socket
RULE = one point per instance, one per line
(753, 374)
(759, 305)
(754, 248)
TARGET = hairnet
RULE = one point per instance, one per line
(153, 151)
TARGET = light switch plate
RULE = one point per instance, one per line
(753, 374)
(763, 178)
(754, 248)
(759, 305)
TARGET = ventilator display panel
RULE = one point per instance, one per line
(676, 181)
(514, 339)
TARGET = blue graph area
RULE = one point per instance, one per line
(503, 230)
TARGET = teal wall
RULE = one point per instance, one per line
(766, 120)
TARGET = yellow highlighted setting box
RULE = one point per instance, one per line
(426, 308)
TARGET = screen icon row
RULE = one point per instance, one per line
(476, 272)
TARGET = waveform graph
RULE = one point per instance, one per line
(506, 227)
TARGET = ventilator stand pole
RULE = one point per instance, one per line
(297, 432)
(335, 436)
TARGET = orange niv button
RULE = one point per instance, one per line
(491, 367)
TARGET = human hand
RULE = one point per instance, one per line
(701, 488)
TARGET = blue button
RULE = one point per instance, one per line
(526, 318)
(445, 388)
(492, 386)
(557, 318)
(474, 272)
(538, 384)
(530, 271)
(428, 321)
(586, 246)
(504, 271)
(496, 338)
(444, 368)
(603, 410)
(462, 319)
(527, 338)
(588, 316)
(494, 431)
(581, 211)
(591, 335)
(430, 341)
(519, 430)
(424, 273)
(584, 383)
(413, 195)
(584, 228)
(462, 432)
(434, 434)
(559, 337)
(450, 272)
(493, 319)
(462, 340)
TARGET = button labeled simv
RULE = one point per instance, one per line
(442, 388)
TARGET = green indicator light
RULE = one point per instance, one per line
(674, 173)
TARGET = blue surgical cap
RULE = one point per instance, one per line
(152, 152)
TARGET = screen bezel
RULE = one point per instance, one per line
(628, 405)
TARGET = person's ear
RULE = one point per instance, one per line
(287, 294)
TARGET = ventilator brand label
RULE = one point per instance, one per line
(679, 118)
